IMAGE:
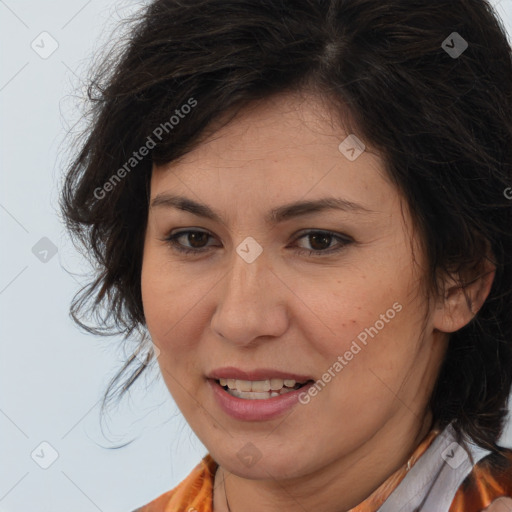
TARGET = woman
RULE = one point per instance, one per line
(304, 205)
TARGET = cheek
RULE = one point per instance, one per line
(155, 300)
(163, 297)
(342, 309)
(166, 305)
(372, 322)
(173, 308)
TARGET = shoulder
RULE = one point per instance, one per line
(489, 480)
(193, 494)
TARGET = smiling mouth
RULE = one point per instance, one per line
(259, 389)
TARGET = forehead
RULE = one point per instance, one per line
(277, 151)
(287, 123)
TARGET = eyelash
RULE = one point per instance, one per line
(344, 241)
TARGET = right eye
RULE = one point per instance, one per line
(195, 238)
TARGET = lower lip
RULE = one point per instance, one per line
(255, 410)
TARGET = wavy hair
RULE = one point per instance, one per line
(442, 123)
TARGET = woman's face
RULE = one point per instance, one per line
(251, 303)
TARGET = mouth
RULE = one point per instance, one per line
(261, 394)
(259, 389)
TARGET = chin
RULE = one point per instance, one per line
(267, 464)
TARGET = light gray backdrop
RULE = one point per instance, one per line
(54, 450)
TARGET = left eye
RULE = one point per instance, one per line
(320, 241)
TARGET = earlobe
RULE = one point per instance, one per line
(462, 300)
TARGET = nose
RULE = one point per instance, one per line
(251, 303)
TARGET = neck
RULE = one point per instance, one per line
(338, 487)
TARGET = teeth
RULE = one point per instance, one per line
(262, 395)
(249, 395)
(244, 385)
(258, 389)
(276, 384)
(258, 386)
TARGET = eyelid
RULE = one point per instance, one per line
(171, 237)
(343, 241)
(334, 234)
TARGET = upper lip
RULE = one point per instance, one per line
(230, 372)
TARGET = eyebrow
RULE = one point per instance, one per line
(276, 215)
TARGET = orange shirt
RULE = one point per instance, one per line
(490, 479)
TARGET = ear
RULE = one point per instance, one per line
(463, 296)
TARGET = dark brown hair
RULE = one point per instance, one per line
(441, 120)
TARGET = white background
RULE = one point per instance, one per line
(52, 375)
